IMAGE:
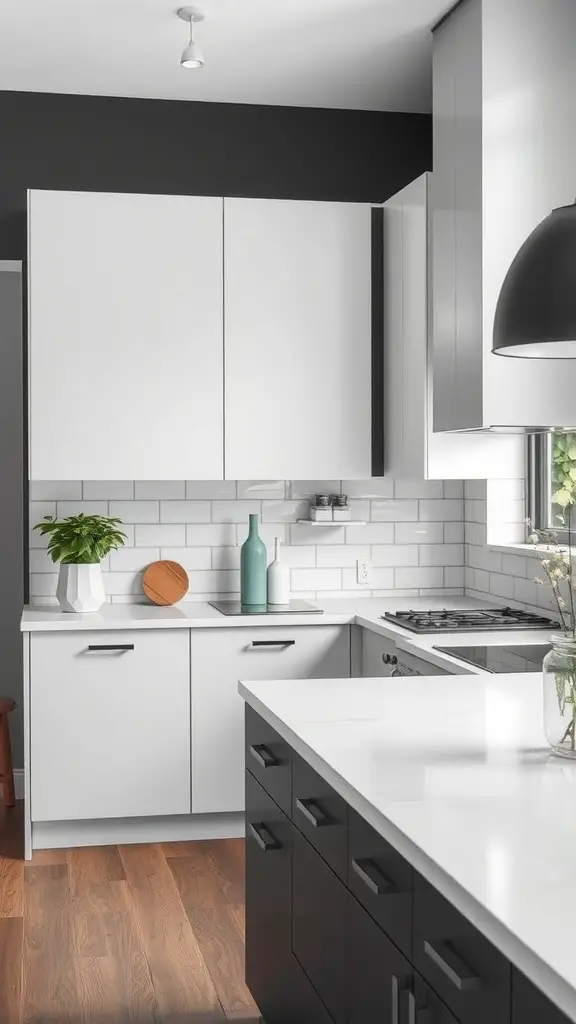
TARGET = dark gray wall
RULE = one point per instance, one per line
(93, 143)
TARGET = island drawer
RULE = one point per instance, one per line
(381, 880)
(424, 1006)
(465, 969)
(530, 1006)
(320, 814)
(268, 758)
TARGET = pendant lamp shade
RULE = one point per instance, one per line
(536, 310)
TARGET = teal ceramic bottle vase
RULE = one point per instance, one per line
(253, 559)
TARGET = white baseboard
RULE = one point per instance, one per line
(56, 835)
(18, 784)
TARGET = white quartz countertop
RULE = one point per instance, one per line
(454, 771)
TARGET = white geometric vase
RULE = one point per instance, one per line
(80, 587)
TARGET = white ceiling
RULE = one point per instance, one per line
(357, 54)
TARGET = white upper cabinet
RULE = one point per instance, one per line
(298, 340)
(504, 156)
(412, 450)
(125, 328)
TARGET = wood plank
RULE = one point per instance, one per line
(92, 864)
(49, 981)
(215, 929)
(182, 983)
(11, 887)
(11, 930)
(91, 869)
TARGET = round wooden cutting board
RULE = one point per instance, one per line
(165, 582)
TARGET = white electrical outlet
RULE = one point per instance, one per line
(363, 570)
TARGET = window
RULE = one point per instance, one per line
(552, 481)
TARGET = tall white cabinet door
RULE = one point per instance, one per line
(126, 336)
(298, 336)
(220, 657)
(109, 726)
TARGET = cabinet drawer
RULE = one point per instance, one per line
(268, 757)
(318, 925)
(220, 657)
(466, 970)
(109, 724)
(381, 880)
(378, 977)
(320, 814)
(530, 1006)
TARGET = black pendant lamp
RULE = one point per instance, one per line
(536, 311)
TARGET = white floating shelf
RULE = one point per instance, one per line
(348, 522)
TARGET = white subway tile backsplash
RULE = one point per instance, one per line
(315, 579)
(418, 489)
(441, 554)
(186, 511)
(136, 511)
(517, 565)
(261, 489)
(216, 535)
(211, 490)
(475, 533)
(371, 489)
(482, 580)
(156, 535)
(342, 555)
(132, 559)
(501, 585)
(159, 489)
(419, 533)
(453, 488)
(77, 508)
(234, 511)
(394, 554)
(427, 576)
(55, 490)
(215, 581)
(108, 490)
(202, 525)
(474, 511)
(192, 558)
(447, 509)
(475, 489)
(393, 511)
(380, 579)
(284, 511)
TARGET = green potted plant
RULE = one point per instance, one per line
(80, 543)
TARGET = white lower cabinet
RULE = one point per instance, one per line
(376, 652)
(109, 724)
(222, 657)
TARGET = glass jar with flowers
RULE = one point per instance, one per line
(559, 666)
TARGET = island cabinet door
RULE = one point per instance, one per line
(220, 657)
(109, 724)
(470, 975)
(422, 1006)
(530, 1006)
(275, 978)
(319, 922)
(378, 977)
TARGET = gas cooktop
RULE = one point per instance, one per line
(469, 620)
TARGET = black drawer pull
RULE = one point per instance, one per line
(312, 812)
(110, 647)
(395, 1019)
(372, 877)
(263, 756)
(264, 837)
(273, 643)
(461, 976)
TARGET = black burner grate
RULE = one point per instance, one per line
(470, 620)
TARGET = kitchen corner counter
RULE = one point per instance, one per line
(454, 772)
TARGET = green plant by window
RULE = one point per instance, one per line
(81, 539)
(564, 470)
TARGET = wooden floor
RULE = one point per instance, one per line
(116, 934)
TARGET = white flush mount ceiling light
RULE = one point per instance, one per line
(192, 56)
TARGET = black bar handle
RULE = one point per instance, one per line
(412, 1008)
(263, 756)
(273, 643)
(312, 812)
(110, 647)
(263, 836)
(373, 878)
(448, 961)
